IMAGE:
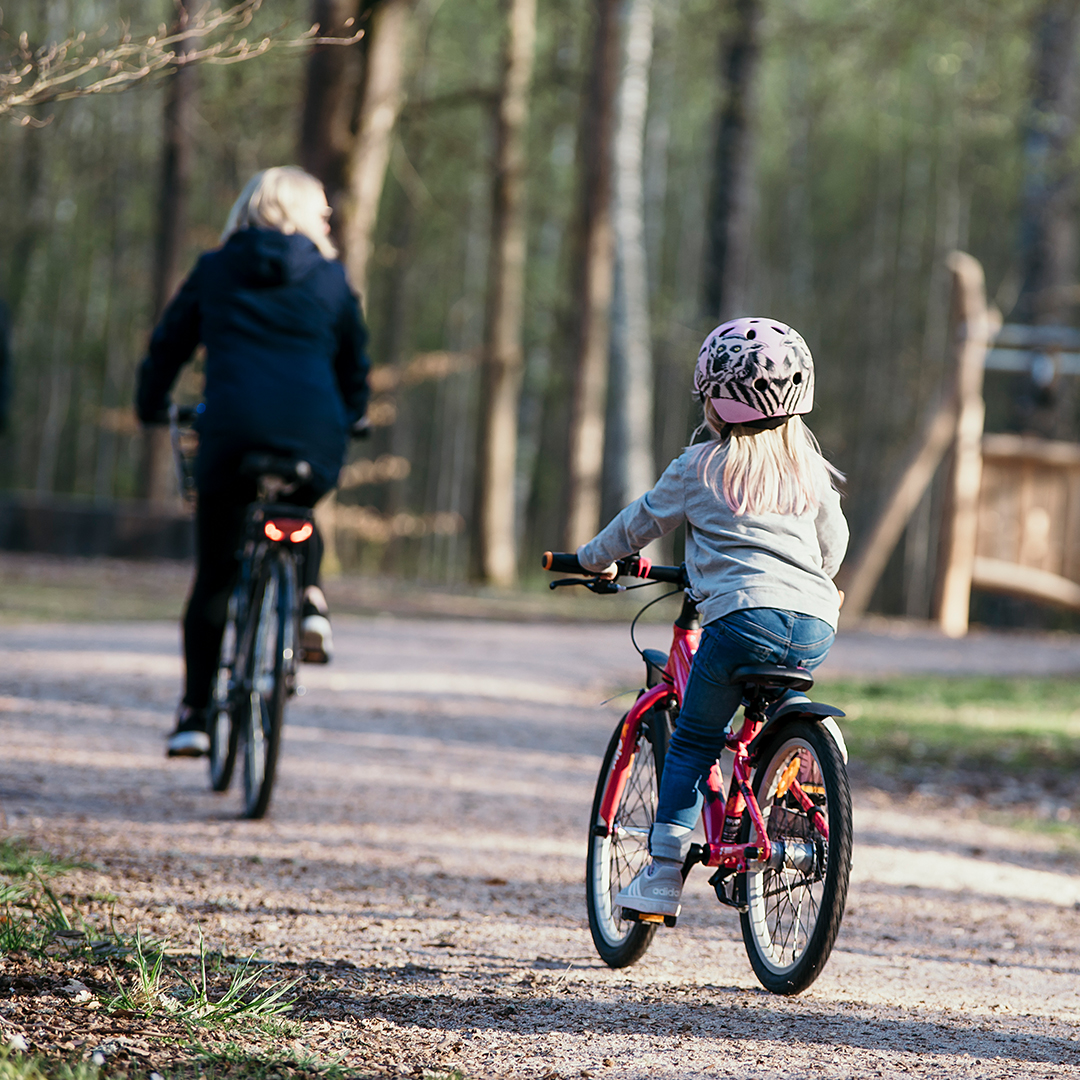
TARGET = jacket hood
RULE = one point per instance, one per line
(263, 258)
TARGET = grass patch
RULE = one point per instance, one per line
(32, 918)
(193, 999)
(999, 726)
(16, 1066)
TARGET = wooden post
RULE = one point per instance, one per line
(972, 329)
(860, 581)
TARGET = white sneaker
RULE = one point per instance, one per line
(655, 891)
(316, 640)
(189, 737)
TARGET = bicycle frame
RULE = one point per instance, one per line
(721, 818)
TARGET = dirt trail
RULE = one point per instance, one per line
(426, 837)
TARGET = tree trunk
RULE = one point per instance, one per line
(730, 210)
(503, 358)
(333, 76)
(629, 467)
(1047, 229)
(381, 98)
(157, 481)
(586, 450)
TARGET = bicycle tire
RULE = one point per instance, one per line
(793, 915)
(223, 729)
(615, 858)
(262, 705)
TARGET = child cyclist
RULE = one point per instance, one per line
(764, 537)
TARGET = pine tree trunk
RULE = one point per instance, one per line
(157, 481)
(731, 195)
(503, 358)
(381, 97)
(586, 449)
(1047, 225)
(333, 76)
(629, 467)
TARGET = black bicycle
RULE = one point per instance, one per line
(260, 648)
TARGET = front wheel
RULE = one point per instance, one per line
(617, 853)
(794, 909)
(261, 708)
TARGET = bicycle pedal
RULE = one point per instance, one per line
(649, 917)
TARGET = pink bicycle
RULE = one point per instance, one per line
(780, 842)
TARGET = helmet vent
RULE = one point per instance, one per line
(797, 378)
(751, 334)
(761, 384)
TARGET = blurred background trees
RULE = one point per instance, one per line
(660, 165)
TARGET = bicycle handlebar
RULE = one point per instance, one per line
(561, 562)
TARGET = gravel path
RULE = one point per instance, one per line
(426, 843)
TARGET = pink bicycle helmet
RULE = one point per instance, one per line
(754, 370)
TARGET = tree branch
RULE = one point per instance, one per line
(61, 71)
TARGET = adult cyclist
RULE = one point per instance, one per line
(286, 373)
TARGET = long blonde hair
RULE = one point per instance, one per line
(284, 198)
(766, 471)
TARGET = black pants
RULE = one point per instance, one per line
(219, 534)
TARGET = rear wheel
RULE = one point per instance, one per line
(794, 909)
(261, 708)
(617, 854)
(223, 730)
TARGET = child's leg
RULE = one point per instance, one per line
(753, 636)
(709, 703)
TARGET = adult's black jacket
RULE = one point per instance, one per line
(286, 355)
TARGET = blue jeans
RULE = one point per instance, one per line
(751, 636)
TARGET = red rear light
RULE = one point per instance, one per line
(296, 529)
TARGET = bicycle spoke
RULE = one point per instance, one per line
(788, 906)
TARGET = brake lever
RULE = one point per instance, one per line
(596, 585)
(604, 585)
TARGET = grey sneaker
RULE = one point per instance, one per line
(655, 891)
(189, 737)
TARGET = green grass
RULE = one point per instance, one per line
(1009, 726)
(16, 1066)
(192, 999)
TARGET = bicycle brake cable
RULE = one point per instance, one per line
(633, 624)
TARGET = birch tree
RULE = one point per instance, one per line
(628, 450)
(381, 98)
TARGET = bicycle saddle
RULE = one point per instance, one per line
(769, 675)
(291, 470)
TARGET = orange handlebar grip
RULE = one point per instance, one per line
(546, 560)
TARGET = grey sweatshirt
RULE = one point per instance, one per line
(783, 561)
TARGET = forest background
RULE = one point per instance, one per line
(680, 161)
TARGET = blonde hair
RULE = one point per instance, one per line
(766, 470)
(286, 199)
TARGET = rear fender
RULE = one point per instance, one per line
(815, 711)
